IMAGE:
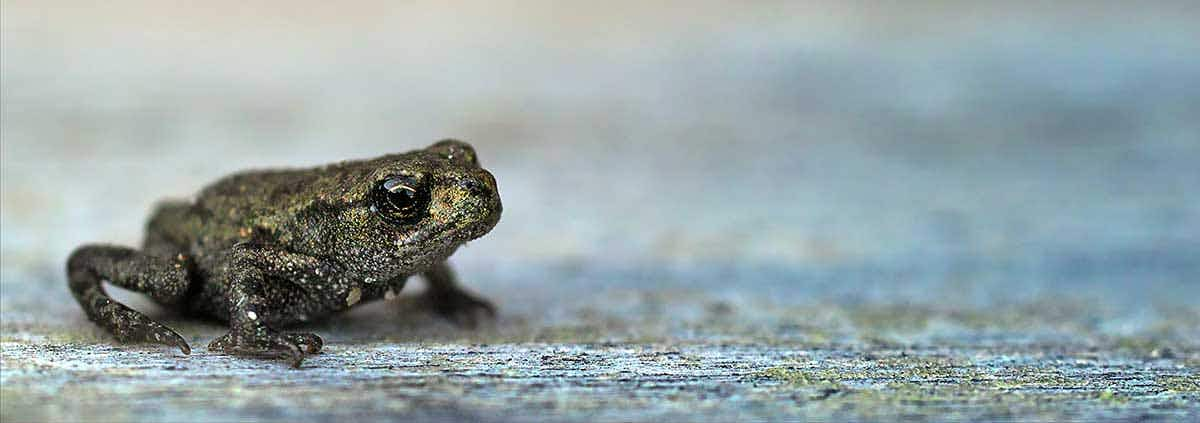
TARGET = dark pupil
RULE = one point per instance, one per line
(400, 200)
(400, 196)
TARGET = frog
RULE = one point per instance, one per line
(266, 250)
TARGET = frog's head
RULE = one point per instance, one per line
(404, 212)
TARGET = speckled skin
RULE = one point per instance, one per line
(266, 249)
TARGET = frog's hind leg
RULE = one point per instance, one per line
(164, 280)
(451, 301)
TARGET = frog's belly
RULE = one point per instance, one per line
(289, 304)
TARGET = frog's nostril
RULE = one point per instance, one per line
(477, 187)
(479, 183)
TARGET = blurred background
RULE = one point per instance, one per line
(798, 152)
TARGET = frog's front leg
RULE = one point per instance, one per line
(250, 308)
(451, 301)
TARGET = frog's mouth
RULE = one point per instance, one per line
(420, 249)
(459, 215)
(449, 234)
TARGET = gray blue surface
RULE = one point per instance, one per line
(769, 211)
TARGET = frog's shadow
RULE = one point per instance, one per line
(407, 318)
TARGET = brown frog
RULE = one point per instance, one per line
(262, 250)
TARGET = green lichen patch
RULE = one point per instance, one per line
(1182, 384)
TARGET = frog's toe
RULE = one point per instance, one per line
(310, 343)
(173, 339)
(471, 316)
(260, 343)
(129, 325)
(161, 334)
(463, 309)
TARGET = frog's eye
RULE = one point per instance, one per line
(400, 199)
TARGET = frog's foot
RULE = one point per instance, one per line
(260, 340)
(310, 343)
(129, 325)
(460, 307)
(162, 279)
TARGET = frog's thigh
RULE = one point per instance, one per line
(164, 280)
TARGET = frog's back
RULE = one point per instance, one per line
(224, 213)
(246, 196)
(252, 205)
(169, 229)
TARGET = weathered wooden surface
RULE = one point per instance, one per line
(638, 353)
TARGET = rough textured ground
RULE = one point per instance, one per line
(632, 351)
(771, 210)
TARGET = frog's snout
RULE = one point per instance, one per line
(468, 199)
(481, 185)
